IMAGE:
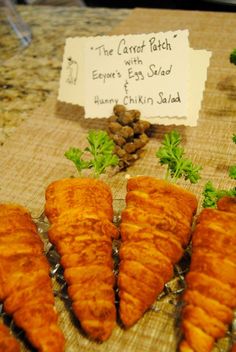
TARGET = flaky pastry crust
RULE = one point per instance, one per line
(25, 285)
(80, 212)
(155, 228)
(210, 296)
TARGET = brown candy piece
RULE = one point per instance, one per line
(128, 132)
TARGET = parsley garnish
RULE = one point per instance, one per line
(101, 147)
(172, 155)
(232, 169)
(232, 172)
(232, 57)
(212, 195)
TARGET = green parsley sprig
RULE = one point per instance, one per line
(211, 194)
(101, 148)
(232, 57)
(232, 169)
(172, 154)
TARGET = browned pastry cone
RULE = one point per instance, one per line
(227, 204)
(233, 349)
(80, 212)
(7, 342)
(210, 296)
(155, 228)
(25, 285)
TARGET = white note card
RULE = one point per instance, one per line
(156, 73)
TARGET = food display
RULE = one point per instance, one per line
(80, 213)
(210, 296)
(129, 133)
(110, 270)
(155, 229)
(25, 286)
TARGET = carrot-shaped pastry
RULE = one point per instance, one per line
(25, 285)
(7, 342)
(210, 296)
(80, 212)
(155, 227)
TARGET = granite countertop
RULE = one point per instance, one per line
(29, 76)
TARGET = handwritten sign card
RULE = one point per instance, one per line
(154, 73)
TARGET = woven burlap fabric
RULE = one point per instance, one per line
(33, 157)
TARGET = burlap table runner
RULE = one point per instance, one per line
(33, 157)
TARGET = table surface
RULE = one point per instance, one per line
(32, 156)
(31, 75)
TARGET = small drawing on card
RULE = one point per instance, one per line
(72, 67)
